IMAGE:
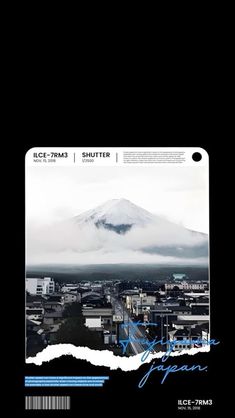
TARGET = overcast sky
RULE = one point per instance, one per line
(179, 194)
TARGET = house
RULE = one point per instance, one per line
(55, 297)
(93, 299)
(34, 298)
(71, 297)
(51, 318)
(91, 295)
(34, 305)
(68, 287)
(104, 314)
(34, 301)
(179, 310)
(35, 314)
(55, 306)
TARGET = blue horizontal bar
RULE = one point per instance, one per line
(66, 377)
(64, 385)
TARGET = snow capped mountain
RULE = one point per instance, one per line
(119, 215)
(119, 231)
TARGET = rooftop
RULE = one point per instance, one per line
(172, 308)
(91, 294)
(185, 332)
(53, 315)
(179, 308)
(182, 322)
(34, 298)
(34, 311)
(52, 302)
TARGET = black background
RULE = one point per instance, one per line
(121, 394)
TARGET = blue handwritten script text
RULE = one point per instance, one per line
(135, 335)
(169, 369)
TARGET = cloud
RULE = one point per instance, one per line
(67, 242)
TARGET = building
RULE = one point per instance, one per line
(202, 298)
(180, 310)
(200, 308)
(35, 314)
(94, 324)
(137, 303)
(188, 336)
(197, 319)
(68, 287)
(142, 308)
(91, 295)
(51, 318)
(93, 299)
(105, 314)
(183, 285)
(55, 306)
(191, 326)
(34, 301)
(179, 276)
(184, 338)
(55, 297)
(72, 297)
(171, 301)
(39, 286)
(174, 309)
(96, 286)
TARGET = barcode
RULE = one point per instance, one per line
(47, 402)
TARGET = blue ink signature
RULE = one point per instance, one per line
(170, 346)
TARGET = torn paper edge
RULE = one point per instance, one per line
(104, 357)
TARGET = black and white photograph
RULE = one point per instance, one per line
(117, 258)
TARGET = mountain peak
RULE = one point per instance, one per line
(115, 202)
(116, 214)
